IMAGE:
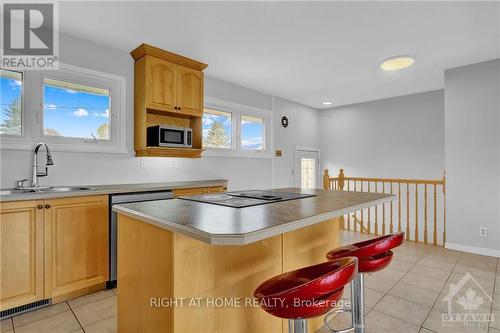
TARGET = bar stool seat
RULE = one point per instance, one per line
(373, 255)
(307, 292)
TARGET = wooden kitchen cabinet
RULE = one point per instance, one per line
(76, 244)
(189, 91)
(21, 256)
(167, 85)
(198, 190)
(161, 84)
(168, 90)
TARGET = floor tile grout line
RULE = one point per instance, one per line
(492, 296)
(432, 308)
(78, 320)
(45, 307)
(387, 293)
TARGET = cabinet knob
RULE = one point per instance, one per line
(39, 206)
(47, 206)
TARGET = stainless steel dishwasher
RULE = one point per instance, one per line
(122, 199)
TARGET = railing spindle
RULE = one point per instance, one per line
(399, 207)
(383, 210)
(376, 212)
(425, 213)
(407, 231)
(369, 223)
(444, 208)
(416, 213)
(434, 236)
(392, 226)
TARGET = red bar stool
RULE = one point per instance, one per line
(373, 255)
(307, 292)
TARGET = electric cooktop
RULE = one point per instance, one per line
(240, 199)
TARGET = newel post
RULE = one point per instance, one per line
(326, 180)
(341, 180)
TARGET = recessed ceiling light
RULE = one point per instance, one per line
(396, 63)
(327, 103)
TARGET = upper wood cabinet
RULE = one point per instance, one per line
(76, 244)
(189, 91)
(161, 84)
(21, 256)
(168, 91)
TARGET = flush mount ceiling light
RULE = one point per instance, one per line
(327, 103)
(397, 63)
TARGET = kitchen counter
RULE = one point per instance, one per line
(187, 250)
(221, 225)
(114, 189)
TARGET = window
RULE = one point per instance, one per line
(72, 109)
(217, 129)
(307, 173)
(231, 129)
(11, 95)
(252, 133)
(75, 110)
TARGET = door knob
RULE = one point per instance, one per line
(47, 206)
(39, 206)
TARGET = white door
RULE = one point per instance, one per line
(307, 168)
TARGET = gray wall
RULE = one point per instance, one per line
(472, 141)
(401, 137)
(91, 168)
(302, 131)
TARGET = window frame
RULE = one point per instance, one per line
(33, 111)
(233, 141)
(22, 136)
(238, 110)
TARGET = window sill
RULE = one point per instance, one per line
(20, 144)
(211, 152)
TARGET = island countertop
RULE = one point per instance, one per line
(220, 225)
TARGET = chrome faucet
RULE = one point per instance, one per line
(50, 161)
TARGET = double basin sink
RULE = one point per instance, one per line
(45, 190)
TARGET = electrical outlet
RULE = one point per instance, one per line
(142, 163)
(483, 231)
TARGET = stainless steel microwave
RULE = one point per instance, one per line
(169, 136)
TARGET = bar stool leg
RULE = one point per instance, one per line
(357, 304)
(297, 326)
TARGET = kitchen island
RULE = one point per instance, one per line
(186, 266)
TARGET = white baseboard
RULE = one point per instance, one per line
(473, 249)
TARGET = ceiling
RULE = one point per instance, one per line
(305, 52)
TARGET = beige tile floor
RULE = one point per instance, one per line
(405, 297)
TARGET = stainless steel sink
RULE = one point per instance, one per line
(66, 189)
(45, 190)
(10, 192)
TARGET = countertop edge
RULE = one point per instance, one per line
(115, 189)
(248, 238)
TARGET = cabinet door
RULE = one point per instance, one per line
(21, 256)
(161, 84)
(190, 91)
(189, 191)
(76, 244)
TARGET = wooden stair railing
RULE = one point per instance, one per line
(411, 210)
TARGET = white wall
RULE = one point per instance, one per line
(472, 146)
(87, 168)
(302, 131)
(400, 137)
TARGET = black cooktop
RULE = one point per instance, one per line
(240, 199)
